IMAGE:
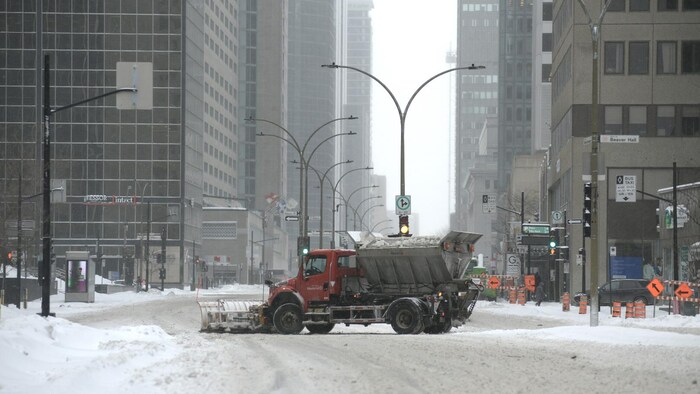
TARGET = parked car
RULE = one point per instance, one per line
(623, 290)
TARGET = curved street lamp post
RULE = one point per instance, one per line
(357, 207)
(301, 150)
(402, 113)
(321, 180)
(335, 189)
(362, 218)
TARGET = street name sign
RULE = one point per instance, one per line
(535, 228)
(626, 188)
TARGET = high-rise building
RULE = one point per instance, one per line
(355, 93)
(648, 119)
(311, 102)
(515, 89)
(476, 121)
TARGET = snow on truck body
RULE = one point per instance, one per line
(415, 284)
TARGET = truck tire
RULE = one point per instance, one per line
(320, 328)
(406, 318)
(288, 319)
(439, 328)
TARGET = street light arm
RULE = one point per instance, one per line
(472, 67)
(396, 102)
(290, 142)
(361, 188)
(362, 218)
(119, 90)
(322, 126)
(308, 160)
(293, 140)
(335, 187)
(378, 223)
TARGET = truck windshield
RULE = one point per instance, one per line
(315, 265)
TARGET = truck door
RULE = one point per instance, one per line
(316, 283)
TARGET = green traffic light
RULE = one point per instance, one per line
(552, 244)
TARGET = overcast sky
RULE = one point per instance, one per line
(411, 39)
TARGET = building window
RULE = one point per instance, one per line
(690, 57)
(665, 120)
(639, 5)
(667, 5)
(547, 12)
(546, 71)
(638, 120)
(690, 121)
(613, 119)
(666, 57)
(617, 6)
(614, 57)
(639, 58)
(546, 42)
(691, 5)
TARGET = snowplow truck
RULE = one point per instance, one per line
(413, 283)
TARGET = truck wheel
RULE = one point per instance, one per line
(287, 319)
(320, 328)
(439, 328)
(406, 319)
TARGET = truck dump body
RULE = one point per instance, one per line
(416, 265)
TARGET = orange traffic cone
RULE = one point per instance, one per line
(583, 305)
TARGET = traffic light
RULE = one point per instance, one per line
(161, 273)
(552, 246)
(404, 228)
(587, 189)
(303, 245)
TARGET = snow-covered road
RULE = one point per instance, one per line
(151, 343)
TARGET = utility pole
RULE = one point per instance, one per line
(595, 27)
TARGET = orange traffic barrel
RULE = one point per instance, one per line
(616, 309)
(583, 305)
(521, 296)
(511, 295)
(629, 310)
(640, 310)
(565, 302)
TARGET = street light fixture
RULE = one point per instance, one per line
(348, 200)
(45, 271)
(378, 223)
(402, 113)
(301, 150)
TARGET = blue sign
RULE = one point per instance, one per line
(622, 267)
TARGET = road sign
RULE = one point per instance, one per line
(535, 228)
(655, 287)
(574, 221)
(557, 217)
(403, 205)
(488, 203)
(626, 188)
(534, 240)
(530, 282)
(513, 267)
(291, 218)
(494, 282)
(613, 251)
(683, 291)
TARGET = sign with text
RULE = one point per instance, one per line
(488, 203)
(626, 188)
(535, 228)
(512, 265)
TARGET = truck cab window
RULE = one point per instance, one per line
(315, 265)
(346, 261)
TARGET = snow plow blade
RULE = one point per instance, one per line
(231, 315)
